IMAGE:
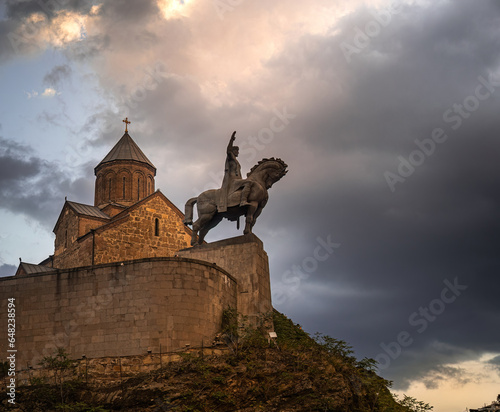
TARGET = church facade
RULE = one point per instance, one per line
(123, 280)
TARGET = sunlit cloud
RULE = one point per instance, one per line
(37, 32)
(96, 9)
(471, 382)
(67, 27)
(48, 92)
(173, 8)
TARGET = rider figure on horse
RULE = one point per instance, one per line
(232, 178)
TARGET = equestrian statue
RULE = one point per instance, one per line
(236, 197)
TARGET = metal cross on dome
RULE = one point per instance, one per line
(126, 123)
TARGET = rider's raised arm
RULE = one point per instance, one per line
(230, 145)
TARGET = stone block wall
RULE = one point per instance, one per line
(114, 369)
(86, 224)
(66, 230)
(245, 258)
(118, 309)
(78, 254)
(70, 227)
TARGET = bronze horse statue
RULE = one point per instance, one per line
(262, 176)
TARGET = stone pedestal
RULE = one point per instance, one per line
(245, 259)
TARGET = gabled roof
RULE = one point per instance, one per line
(126, 149)
(82, 210)
(30, 268)
(87, 210)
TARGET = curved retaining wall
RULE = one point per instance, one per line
(118, 309)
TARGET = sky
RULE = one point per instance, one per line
(385, 231)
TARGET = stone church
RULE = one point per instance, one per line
(129, 219)
(123, 280)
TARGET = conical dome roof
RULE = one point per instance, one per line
(126, 149)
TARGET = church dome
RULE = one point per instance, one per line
(125, 176)
(126, 149)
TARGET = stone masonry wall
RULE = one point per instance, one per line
(68, 251)
(85, 224)
(116, 309)
(79, 254)
(67, 231)
(114, 369)
(245, 258)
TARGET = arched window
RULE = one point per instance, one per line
(149, 188)
(157, 227)
(123, 189)
(98, 189)
(109, 189)
(138, 188)
(151, 184)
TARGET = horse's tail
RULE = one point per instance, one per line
(188, 215)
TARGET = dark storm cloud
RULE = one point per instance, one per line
(495, 361)
(129, 11)
(441, 223)
(12, 169)
(380, 94)
(34, 187)
(495, 364)
(443, 374)
(7, 270)
(18, 9)
(6, 49)
(57, 75)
